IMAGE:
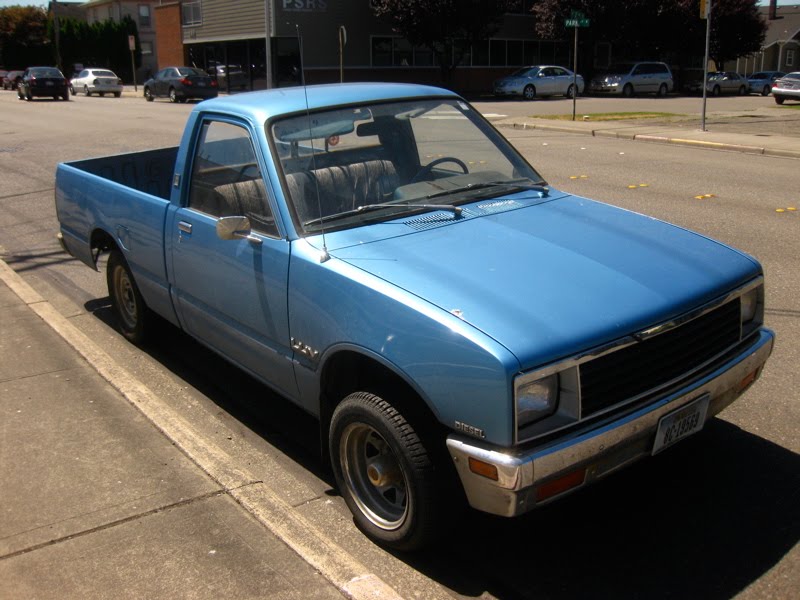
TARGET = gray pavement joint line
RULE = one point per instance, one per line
(26, 193)
(344, 571)
(116, 523)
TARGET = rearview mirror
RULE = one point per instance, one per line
(235, 228)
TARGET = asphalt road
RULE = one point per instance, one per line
(716, 517)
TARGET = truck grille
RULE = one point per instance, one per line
(652, 363)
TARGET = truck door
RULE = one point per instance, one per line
(231, 294)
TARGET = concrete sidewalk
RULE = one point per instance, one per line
(98, 503)
(765, 134)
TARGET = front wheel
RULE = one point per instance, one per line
(86, 91)
(148, 95)
(742, 91)
(662, 90)
(716, 91)
(173, 96)
(571, 92)
(529, 93)
(627, 91)
(126, 300)
(384, 472)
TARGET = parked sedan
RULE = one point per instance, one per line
(96, 81)
(180, 84)
(12, 79)
(761, 82)
(542, 80)
(722, 82)
(43, 81)
(787, 87)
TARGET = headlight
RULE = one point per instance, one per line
(749, 304)
(536, 400)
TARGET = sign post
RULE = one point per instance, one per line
(705, 13)
(576, 19)
(132, 47)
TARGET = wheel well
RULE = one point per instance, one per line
(101, 242)
(349, 372)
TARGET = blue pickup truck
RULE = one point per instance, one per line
(380, 255)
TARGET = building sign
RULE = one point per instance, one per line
(304, 5)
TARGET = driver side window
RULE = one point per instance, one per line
(226, 178)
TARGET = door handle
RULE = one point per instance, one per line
(185, 227)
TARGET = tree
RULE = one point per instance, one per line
(666, 29)
(23, 37)
(446, 27)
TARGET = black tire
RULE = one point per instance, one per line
(627, 91)
(571, 91)
(66, 97)
(148, 95)
(662, 90)
(765, 90)
(173, 96)
(126, 300)
(716, 91)
(71, 89)
(117, 94)
(779, 99)
(384, 472)
(742, 91)
(529, 93)
(86, 91)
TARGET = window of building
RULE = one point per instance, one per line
(192, 13)
(398, 52)
(146, 47)
(144, 15)
(789, 58)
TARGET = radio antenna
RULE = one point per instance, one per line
(324, 256)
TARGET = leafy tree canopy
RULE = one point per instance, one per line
(436, 24)
(660, 28)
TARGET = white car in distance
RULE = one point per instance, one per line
(96, 81)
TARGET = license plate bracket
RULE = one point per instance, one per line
(681, 423)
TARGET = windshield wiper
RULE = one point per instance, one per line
(519, 184)
(456, 210)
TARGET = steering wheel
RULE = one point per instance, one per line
(426, 170)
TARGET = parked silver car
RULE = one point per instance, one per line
(722, 82)
(787, 87)
(628, 79)
(540, 80)
(761, 82)
(96, 81)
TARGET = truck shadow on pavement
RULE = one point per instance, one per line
(704, 520)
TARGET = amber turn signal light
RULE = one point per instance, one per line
(483, 469)
(562, 484)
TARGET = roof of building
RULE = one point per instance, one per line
(785, 27)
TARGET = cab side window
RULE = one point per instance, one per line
(226, 178)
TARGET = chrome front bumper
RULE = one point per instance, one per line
(522, 474)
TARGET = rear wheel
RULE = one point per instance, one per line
(529, 93)
(148, 95)
(384, 472)
(71, 89)
(117, 94)
(173, 96)
(779, 99)
(742, 91)
(765, 90)
(126, 300)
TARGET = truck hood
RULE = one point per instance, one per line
(553, 278)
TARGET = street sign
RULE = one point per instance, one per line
(577, 14)
(576, 22)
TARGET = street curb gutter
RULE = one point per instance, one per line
(660, 139)
(348, 575)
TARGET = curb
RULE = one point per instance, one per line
(313, 546)
(658, 139)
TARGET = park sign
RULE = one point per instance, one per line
(576, 19)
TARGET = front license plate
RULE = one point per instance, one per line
(48, 83)
(681, 423)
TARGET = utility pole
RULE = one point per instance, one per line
(268, 42)
(705, 13)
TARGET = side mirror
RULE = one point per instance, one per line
(236, 228)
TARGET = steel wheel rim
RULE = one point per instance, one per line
(374, 476)
(126, 298)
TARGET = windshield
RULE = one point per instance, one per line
(347, 166)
